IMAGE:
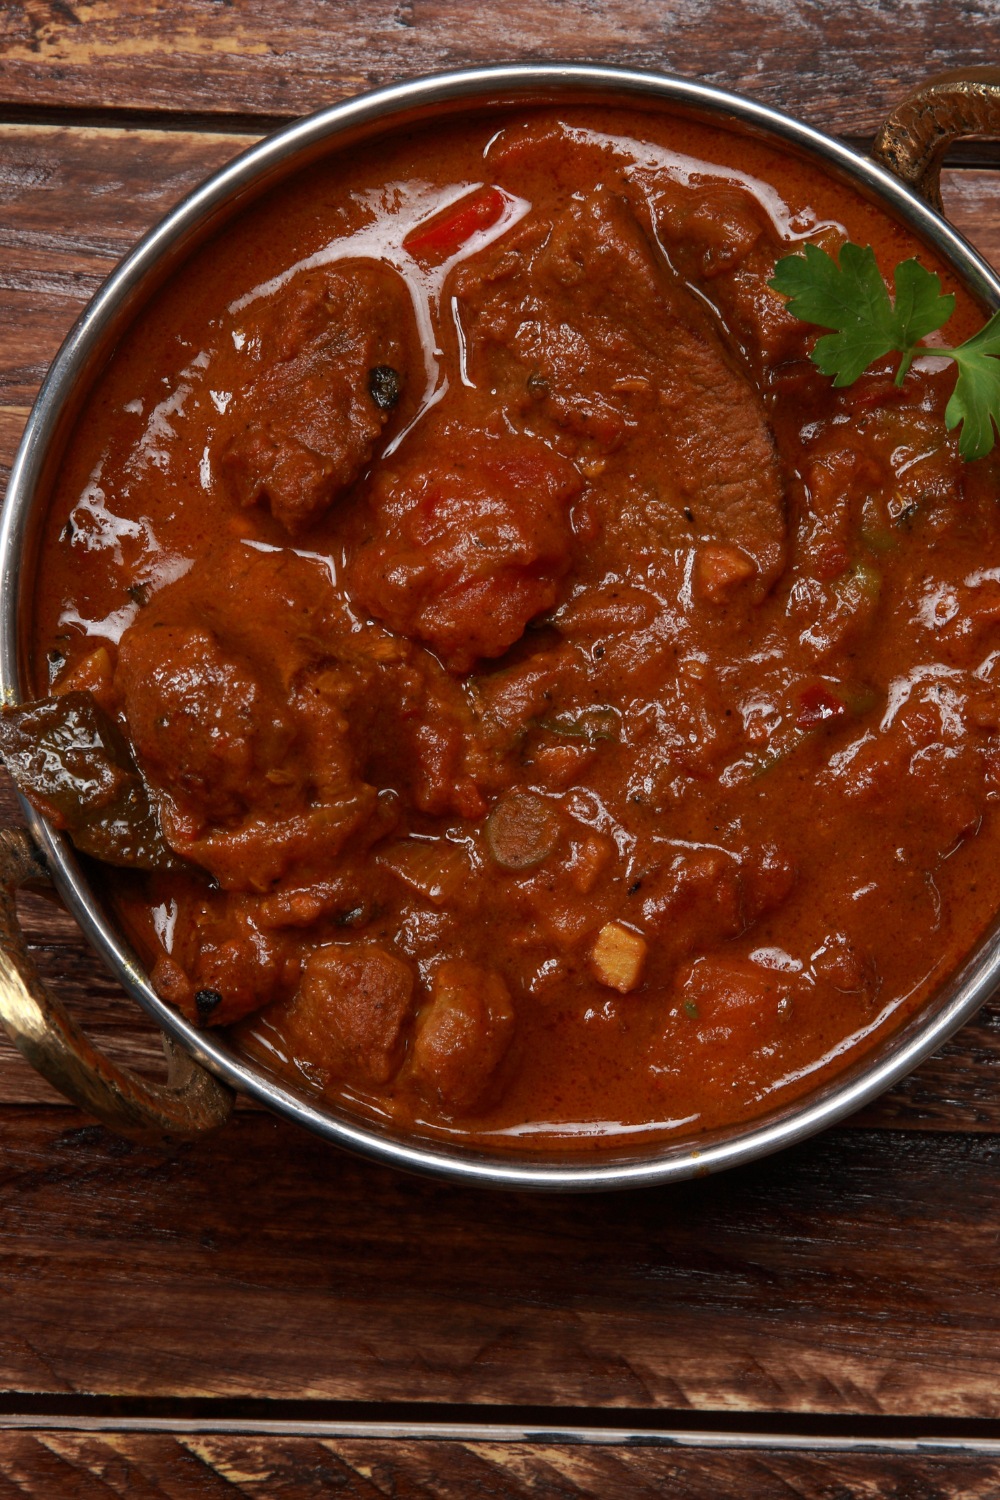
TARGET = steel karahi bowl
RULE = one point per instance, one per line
(901, 176)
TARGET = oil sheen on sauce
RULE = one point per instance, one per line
(680, 757)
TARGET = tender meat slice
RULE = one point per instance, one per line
(846, 968)
(363, 699)
(251, 788)
(472, 538)
(267, 848)
(245, 733)
(413, 728)
(694, 900)
(715, 216)
(926, 757)
(717, 231)
(201, 721)
(349, 1013)
(462, 1035)
(267, 730)
(610, 353)
(331, 354)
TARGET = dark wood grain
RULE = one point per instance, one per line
(72, 203)
(856, 1274)
(840, 67)
(139, 1466)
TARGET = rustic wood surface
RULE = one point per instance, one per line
(162, 1312)
(841, 67)
(855, 1276)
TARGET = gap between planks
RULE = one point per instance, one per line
(487, 1432)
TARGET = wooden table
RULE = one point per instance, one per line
(259, 1315)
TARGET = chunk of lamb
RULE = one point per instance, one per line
(590, 337)
(253, 782)
(717, 232)
(472, 536)
(349, 1013)
(462, 1035)
(223, 965)
(202, 723)
(329, 360)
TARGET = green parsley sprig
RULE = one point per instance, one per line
(852, 299)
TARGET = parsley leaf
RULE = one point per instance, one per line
(852, 299)
(975, 401)
(920, 307)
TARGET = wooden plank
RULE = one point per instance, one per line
(72, 203)
(858, 1274)
(142, 1466)
(842, 68)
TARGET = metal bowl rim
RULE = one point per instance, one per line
(222, 195)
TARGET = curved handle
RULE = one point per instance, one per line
(913, 140)
(191, 1101)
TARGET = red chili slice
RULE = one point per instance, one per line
(817, 705)
(440, 237)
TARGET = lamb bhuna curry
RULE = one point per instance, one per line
(517, 692)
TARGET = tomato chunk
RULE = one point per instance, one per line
(473, 538)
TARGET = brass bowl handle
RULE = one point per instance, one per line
(191, 1101)
(912, 141)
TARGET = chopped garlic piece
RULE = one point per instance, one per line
(617, 957)
(720, 570)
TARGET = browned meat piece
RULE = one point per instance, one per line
(349, 1012)
(927, 753)
(703, 896)
(224, 965)
(613, 356)
(270, 847)
(736, 1018)
(462, 1035)
(266, 731)
(202, 724)
(247, 740)
(473, 537)
(715, 228)
(331, 353)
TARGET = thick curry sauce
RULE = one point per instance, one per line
(567, 714)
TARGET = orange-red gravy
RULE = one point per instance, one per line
(582, 718)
